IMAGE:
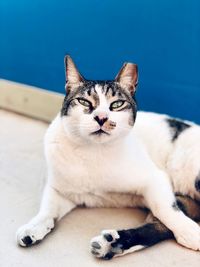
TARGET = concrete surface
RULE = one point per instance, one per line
(22, 175)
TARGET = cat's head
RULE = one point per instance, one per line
(99, 111)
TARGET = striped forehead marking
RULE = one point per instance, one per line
(102, 98)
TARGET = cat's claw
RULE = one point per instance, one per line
(103, 246)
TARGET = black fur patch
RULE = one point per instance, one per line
(179, 205)
(177, 127)
(175, 206)
(27, 241)
(108, 237)
(189, 206)
(197, 183)
(109, 255)
(146, 235)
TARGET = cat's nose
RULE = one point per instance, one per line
(101, 120)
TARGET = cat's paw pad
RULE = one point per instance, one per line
(105, 246)
(30, 234)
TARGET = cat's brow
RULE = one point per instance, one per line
(109, 90)
(91, 91)
(112, 90)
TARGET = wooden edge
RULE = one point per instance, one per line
(30, 101)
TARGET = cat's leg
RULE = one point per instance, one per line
(53, 207)
(113, 243)
(160, 199)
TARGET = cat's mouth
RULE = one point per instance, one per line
(100, 132)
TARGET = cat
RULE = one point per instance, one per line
(101, 152)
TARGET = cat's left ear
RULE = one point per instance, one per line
(128, 77)
(73, 77)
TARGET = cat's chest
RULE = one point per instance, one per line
(95, 169)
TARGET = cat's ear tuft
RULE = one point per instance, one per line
(73, 77)
(128, 77)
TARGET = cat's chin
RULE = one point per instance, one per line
(105, 139)
(100, 138)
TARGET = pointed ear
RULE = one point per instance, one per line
(73, 77)
(128, 77)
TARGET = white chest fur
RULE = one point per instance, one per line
(96, 169)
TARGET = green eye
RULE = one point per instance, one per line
(84, 102)
(117, 104)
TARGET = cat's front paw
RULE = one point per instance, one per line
(31, 233)
(189, 235)
(105, 245)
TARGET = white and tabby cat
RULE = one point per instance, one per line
(97, 158)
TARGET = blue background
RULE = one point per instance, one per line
(162, 37)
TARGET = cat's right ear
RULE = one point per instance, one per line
(73, 77)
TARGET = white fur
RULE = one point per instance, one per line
(137, 166)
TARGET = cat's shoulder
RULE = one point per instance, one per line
(150, 116)
(151, 120)
(145, 117)
(54, 129)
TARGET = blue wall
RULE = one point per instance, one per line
(162, 37)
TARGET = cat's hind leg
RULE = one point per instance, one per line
(113, 243)
(53, 207)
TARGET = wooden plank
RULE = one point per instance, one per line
(30, 101)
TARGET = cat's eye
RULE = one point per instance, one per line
(117, 104)
(84, 102)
